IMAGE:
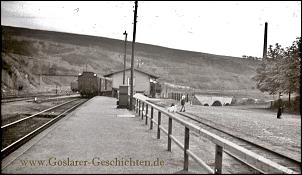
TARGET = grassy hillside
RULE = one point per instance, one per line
(38, 51)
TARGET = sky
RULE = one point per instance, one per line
(229, 28)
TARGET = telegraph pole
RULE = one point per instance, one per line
(125, 33)
(265, 42)
(132, 57)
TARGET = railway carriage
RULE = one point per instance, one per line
(107, 87)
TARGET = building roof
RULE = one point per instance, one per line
(153, 76)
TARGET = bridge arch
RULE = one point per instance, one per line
(217, 103)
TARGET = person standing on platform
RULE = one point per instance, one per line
(182, 102)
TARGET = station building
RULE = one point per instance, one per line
(143, 82)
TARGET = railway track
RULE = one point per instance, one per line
(286, 161)
(279, 158)
(30, 98)
(16, 133)
(16, 99)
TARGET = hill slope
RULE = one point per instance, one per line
(34, 51)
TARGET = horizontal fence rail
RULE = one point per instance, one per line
(221, 144)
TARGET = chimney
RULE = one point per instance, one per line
(265, 42)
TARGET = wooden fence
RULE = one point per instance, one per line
(221, 144)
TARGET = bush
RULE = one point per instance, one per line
(294, 105)
(250, 101)
(234, 101)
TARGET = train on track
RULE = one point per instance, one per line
(89, 85)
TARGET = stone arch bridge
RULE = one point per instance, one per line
(207, 100)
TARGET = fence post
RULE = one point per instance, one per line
(186, 147)
(146, 121)
(136, 105)
(139, 108)
(158, 121)
(143, 110)
(169, 133)
(151, 122)
(218, 159)
(133, 106)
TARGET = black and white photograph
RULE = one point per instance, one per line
(150, 87)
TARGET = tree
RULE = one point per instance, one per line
(280, 71)
(291, 68)
(268, 77)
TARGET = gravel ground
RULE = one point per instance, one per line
(13, 109)
(257, 125)
(282, 135)
(202, 147)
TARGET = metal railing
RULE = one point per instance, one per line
(177, 96)
(221, 144)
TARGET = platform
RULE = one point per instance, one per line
(95, 138)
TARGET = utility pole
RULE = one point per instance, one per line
(132, 56)
(265, 42)
(125, 33)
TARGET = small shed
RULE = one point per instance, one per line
(142, 81)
